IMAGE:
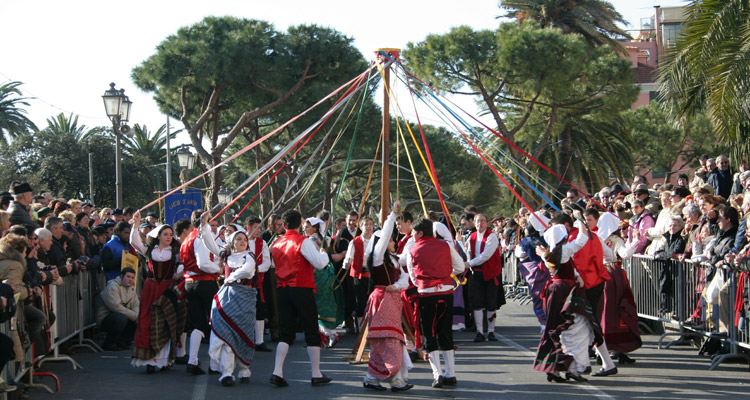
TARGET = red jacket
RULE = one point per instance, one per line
(356, 271)
(590, 260)
(494, 266)
(292, 269)
(187, 257)
(431, 262)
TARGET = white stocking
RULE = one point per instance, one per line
(602, 352)
(479, 320)
(314, 353)
(181, 347)
(278, 366)
(435, 363)
(491, 315)
(259, 329)
(195, 345)
(450, 363)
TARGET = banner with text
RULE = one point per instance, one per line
(180, 205)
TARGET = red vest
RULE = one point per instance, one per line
(187, 257)
(590, 260)
(492, 267)
(292, 269)
(357, 270)
(431, 262)
(258, 278)
(402, 244)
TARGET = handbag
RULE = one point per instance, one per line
(712, 293)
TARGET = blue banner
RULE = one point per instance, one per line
(180, 205)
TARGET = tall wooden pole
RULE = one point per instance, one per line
(384, 55)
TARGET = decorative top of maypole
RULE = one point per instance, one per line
(387, 53)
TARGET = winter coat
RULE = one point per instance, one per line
(19, 215)
(12, 268)
(118, 298)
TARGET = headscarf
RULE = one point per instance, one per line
(607, 225)
(554, 235)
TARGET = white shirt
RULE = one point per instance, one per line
(157, 254)
(458, 267)
(242, 265)
(490, 246)
(313, 255)
(382, 246)
(203, 255)
(349, 257)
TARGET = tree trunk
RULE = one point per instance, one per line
(564, 158)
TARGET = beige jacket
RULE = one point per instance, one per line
(12, 267)
(118, 298)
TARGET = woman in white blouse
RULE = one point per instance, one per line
(161, 314)
(233, 309)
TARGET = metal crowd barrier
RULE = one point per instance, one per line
(676, 308)
(73, 304)
(515, 286)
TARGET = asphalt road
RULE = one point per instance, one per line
(486, 370)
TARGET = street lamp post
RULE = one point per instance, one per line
(186, 160)
(224, 198)
(117, 106)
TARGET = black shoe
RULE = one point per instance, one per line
(278, 381)
(195, 369)
(350, 331)
(586, 371)
(414, 356)
(245, 379)
(213, 372)
(450, 381)
(555, 378)
(181, 360)
(575, 376)
(438, 383)
(603, 372)
(262, 347)
(150, 369)
(227, 381)
(402, 388)
(623, 359)
(491, 337)
(372, 386)
(479, 338)
(320, 381)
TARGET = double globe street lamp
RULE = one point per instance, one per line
(117, 106)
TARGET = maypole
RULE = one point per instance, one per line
(384, 56)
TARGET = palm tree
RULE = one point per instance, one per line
(595, 20)
(68, 124)
(709, 68)
(13, 120)
(143, 144)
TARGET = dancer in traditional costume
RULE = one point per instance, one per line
(571, 327)
(329, 296)
(233, 308)
(531, 266)
(389, 360)
(430, 263)
(619, 316)
(259, 247)
(161, 317)
(354, 261)
(295, 258)
(201, 274)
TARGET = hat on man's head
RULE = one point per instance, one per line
(117, 211)
(86, 204)
(43, 212)
(98, 230)
(68, 227)
(107, 225)
(152, 214)
(19, 188)
(642, 188)
(145, 225)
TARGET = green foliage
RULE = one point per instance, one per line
(13, 119)
(595, 20)
(661, 144)
(225, 76)
(709, 68)
(57, 162)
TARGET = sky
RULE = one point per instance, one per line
(67, 52)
